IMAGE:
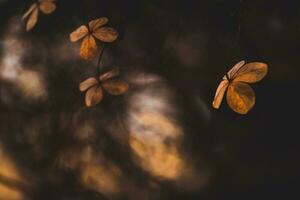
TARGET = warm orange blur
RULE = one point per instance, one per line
(157, 152)
(156, 135)
(11, 176)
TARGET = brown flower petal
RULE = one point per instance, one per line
(78, 33)
(97, 23)
(88, 48)
(110, 74)
(83, 86)
(29, 11)
(252, 72)
(240, 97)
(232, 72)
(32, 19)
(93, 96)
(106, 34)
(220, 93)
(47, 7)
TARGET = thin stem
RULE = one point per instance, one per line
(239, 16)
(99, 61)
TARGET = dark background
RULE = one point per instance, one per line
(191, 44)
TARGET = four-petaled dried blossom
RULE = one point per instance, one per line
(240, 96)
(94, 87)
(94, 29)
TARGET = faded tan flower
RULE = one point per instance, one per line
(45, 6)
(95, 29)
(94, 87)
(240, 96)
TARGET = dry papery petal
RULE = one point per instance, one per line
(232, 72)
(32, 20)
(47, 6)
(29, 11)
(110, 74)
(252, 72)
(88, 49)
(220, 93)
(240, 97)
(93, 96)
(106, 34)
(83, 86)
(78, 33)
(97, 23)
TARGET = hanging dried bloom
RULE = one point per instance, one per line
(45, 6)
(94, 87)
(240, 96)
(94, 29)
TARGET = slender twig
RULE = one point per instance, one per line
(239, 16)
(99, 60)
